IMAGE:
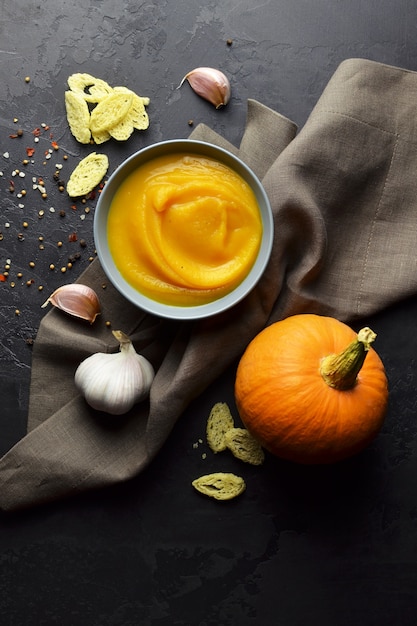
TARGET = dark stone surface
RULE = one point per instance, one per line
(330, 546)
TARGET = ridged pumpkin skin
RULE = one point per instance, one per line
(285, 403)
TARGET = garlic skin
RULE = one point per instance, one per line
(115, 382)
(77, 300)
(210, 84)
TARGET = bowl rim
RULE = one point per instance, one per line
(133, 295)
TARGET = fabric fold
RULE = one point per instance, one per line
(344, 196)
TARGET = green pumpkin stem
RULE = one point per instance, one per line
(340, 371)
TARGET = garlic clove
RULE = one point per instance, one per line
(115, 382)
(210, 84)
(77, 300)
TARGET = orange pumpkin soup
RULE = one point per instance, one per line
(184, 230)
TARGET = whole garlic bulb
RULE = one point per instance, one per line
(114, 382)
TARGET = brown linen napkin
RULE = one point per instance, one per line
(343, 194)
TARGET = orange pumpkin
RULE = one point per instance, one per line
(311, 390)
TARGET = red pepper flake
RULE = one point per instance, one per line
(36, 132)
(72, 237)
(30, 152)
(2, 278)
(73, 207)
(14, 136)
(54, 145)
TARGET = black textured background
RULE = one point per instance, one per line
(325, 546)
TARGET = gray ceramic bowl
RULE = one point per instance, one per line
(131, 293)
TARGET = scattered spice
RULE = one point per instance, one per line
(39, 184)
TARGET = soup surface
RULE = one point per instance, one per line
(184, 230)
